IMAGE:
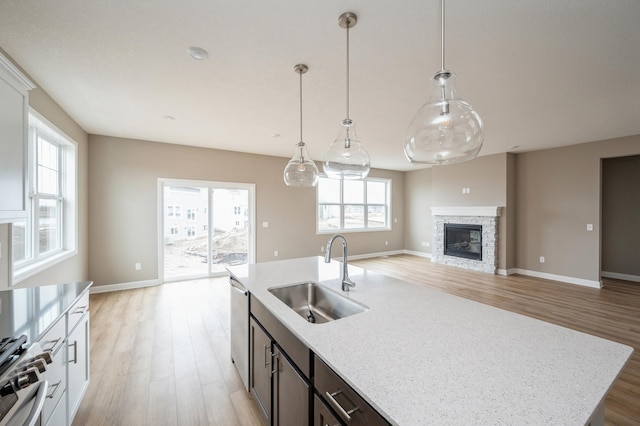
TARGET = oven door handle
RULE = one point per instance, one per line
(36, 409)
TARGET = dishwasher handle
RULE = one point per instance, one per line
(237, 286)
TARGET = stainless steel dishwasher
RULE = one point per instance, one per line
(240, 329)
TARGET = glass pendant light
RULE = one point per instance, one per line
(301, 170)
(446, 129)
(347, 157)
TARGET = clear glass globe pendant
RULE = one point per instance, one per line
(347, 158)
(446, 129)
(301, 170)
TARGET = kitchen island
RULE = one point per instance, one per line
(420, 356)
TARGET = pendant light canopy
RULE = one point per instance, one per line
(347, 157)
(446, 129)
(301, 170)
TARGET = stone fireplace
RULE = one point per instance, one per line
(466, 237)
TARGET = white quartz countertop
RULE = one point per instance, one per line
(421, 356)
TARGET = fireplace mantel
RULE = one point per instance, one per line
(491, 211)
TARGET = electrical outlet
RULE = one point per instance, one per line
(275, 253)
(427, 244)
(321, 249)
(541, 259)
(265, 224)
(138, 266)
(423, 244)
(386, 243)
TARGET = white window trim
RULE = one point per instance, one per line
(70, 212)
(342, 229)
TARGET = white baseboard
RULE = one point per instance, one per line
(417, 253)
(123, 286)
(370, 255)
(554, 277)
(617, 276)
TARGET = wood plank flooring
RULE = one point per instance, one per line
(160, 355)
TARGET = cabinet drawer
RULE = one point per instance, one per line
(295, 349)
(53, 338)
(345, 401)
(322, 415)
(56, 376)
(78, 310)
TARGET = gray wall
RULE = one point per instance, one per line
(123, 178)
(75, 268)
(621, 215)
(488, 178)
(558, 194)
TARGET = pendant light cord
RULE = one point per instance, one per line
(348, 26)
(300, 106)
(442, 35)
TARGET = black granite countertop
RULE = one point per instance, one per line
(30, 311)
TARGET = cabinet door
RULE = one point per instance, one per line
(78, 362)
(13, 128)
(260, 367)
(322, 416)
(290, 393)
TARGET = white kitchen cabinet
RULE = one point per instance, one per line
(14, 113)
(78, 364)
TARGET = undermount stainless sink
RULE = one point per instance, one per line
(316, 303)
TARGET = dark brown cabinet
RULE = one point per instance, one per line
(281, 392)
(260, 367)
(322, 416)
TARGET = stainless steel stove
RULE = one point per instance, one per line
(23, 386)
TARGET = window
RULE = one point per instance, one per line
(175, 230)
(191, 231)
(48, 234)
(353, 205)
(191, 214)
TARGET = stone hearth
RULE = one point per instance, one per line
(486, 216)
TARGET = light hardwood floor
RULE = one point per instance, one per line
(160, 355)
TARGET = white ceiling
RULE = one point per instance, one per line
(541, 73)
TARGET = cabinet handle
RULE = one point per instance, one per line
(55, 386)
(276, 363)
(266, 363)
(53, 343)
(338, 407)
(75, 352)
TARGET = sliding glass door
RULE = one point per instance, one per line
(204, 227)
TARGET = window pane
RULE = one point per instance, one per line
(328, 191)
(376, 192)
(377, 216)
(47, 167)
(353, 216)
(353, 192)
(48, 212)
(328, 217)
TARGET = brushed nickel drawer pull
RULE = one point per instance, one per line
(53, 343)
(266, 363)
(56, 386)
(75, 352)
(276, 364)
(337, 406)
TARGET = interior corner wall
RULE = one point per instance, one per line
(621, 216)
(123, 180)
(418, 221)
(558, 194)
(510, 213)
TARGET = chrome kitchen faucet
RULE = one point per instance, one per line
(344, 278)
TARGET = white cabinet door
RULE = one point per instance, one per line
(78, 362)
(14, 103)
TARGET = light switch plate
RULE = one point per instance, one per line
(589, 226)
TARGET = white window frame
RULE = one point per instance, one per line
(68, 223)
(341, 228)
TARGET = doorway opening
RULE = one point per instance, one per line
(204, 227)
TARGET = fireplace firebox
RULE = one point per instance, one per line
(463, 241)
